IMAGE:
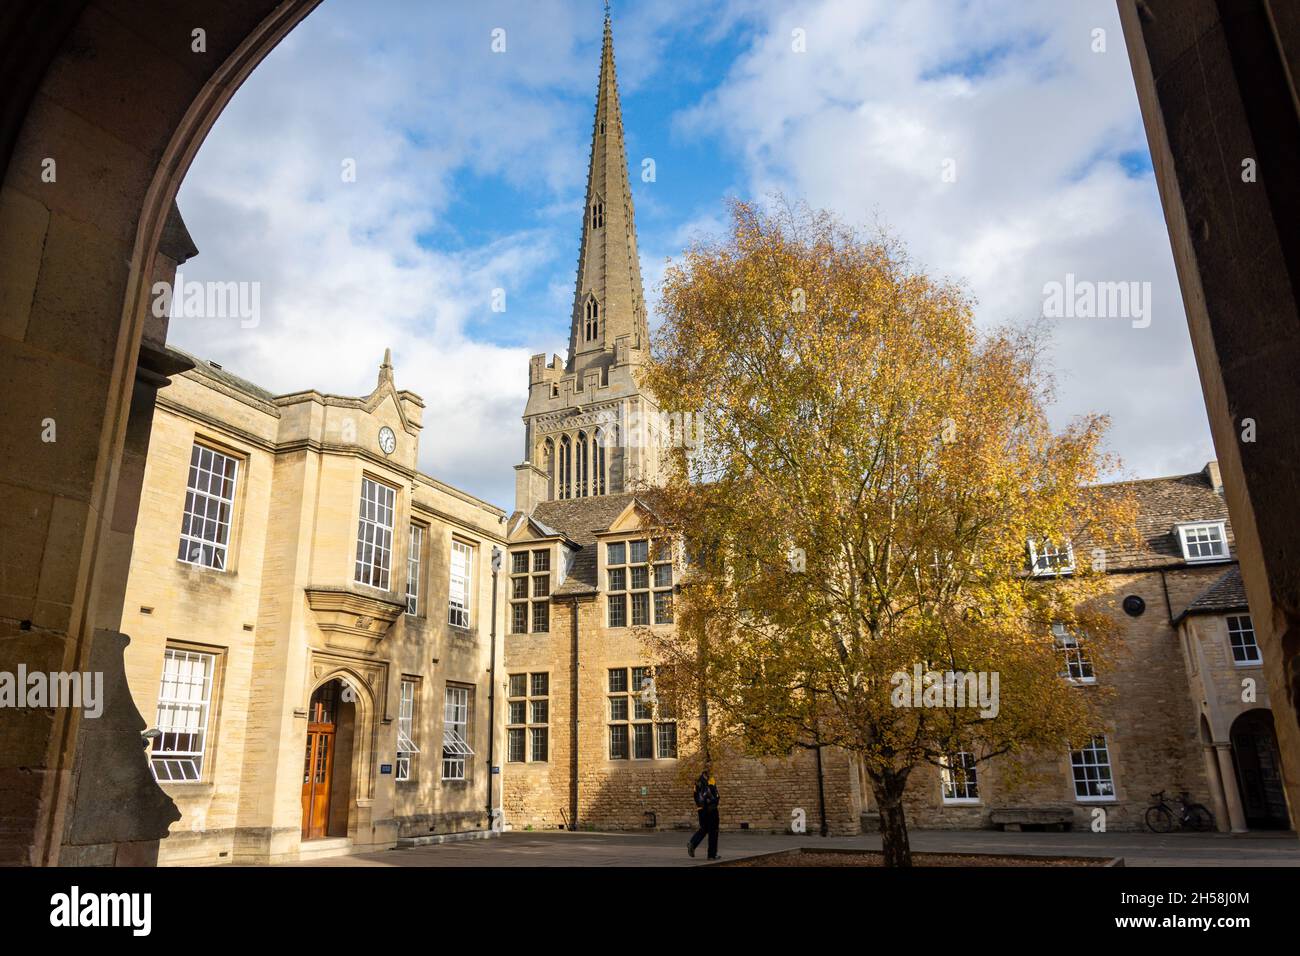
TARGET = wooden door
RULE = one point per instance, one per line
(318, 763)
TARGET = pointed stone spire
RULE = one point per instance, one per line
(386, 369)
(609, 301)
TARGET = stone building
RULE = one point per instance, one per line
(312, 624)
(78, 343)
(1189, 710)
(582, 748)
(299, 590)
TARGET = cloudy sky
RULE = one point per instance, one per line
(1000, 140)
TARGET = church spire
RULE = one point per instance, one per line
(590, 429)
(609, 301)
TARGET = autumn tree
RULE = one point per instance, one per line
(867, 471)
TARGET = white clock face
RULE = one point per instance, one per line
(387, 440)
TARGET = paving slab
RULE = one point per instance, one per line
(668, 849)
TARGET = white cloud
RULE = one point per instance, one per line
(407, 255)
(415, 97)
(1035, 121)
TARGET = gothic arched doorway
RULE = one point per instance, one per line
(326, 775)
(1259, 770)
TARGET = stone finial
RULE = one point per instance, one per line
(386, 370)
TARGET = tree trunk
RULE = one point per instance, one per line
(888, 789)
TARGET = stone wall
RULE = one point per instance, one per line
(294, 529)
(758, 794)
(1151, 725)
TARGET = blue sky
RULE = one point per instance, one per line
(471, 166)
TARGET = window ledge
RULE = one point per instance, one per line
(962, 802)
(195, 566)
(1110, 799)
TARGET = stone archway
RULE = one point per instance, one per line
(334, 740)
(107, 104)
(1259, 770)
(360, 689)
(1219, 795)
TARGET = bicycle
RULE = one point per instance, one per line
(1160, 816)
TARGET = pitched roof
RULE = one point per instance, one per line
(1227, 593)
(579, 519)
(1163, 503)
(208, 369)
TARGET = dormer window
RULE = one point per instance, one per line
(597, 214)
(591, 319)
(1203, 541)
(1046, 557)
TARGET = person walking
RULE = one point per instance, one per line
(706, 801)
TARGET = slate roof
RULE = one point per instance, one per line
(1227, 593)
(1163, 503)
(579, 519)
(206, 369)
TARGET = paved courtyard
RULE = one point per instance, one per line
(669, 849)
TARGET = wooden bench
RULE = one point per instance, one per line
(1032, 818)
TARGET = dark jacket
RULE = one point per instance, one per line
(706, 794)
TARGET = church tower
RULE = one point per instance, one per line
(589, 429)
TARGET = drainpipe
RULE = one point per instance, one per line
(574, 720)
(497, 555)
(821, 792)
(1169, 608)
(821, 779)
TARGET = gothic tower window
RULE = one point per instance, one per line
(597, 214)
(548, 466)
(598, 463)
(566, 465)
(591, 319)
(583, 453)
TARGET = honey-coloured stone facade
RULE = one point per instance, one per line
(286, 615)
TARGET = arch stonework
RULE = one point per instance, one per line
(364, 677)
(118, 97)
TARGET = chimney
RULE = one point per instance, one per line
(1211, 472)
